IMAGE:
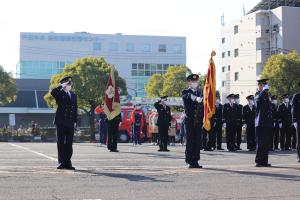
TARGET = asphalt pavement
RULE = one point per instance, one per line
(28, 171)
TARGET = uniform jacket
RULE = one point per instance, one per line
(164, 114)
(249, 115)
(66, 113)
(137, 117)
(264, 115)
(218, 116)
(296, 108)
(285, 115)
(239, 114)
(230, 114)
(275, 113)
(194, 110)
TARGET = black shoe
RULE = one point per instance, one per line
(220, 148)
(70, 168)
(195, 166)
(208, 149)
(159, 150)
(263, 165)
(166, 150)
(60, 167)
(114, 150)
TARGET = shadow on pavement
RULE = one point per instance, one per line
(163, 155)
(286, 177)
(129, 177)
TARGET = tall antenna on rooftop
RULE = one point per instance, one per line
(223, 20)
(244, 11)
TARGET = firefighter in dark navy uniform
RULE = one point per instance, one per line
(239, 119)
(296, 119)
(194, 111)
(249, 122)
(275, 134)
(163, 122)
(217, 122)
(230, 113)
(263, 123)
(285, 123)
(65, 121)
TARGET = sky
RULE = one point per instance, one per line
(198, 20)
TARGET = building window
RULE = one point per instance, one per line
(228, 53)
(153, 67)
(130, 47)
(113, 46)
(228, 68)
(223, 69)
(236, 29)
(223, 55)
(159, 66)
(146, 48)
(141, 66)
(147, 66)
(236, 52)
(177, 48)
(236, 76)
(97, 46)
(134, 66)
(133, 73)
(223, 83)
(223, 40)
(162, 48)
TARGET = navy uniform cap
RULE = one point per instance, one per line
(262, 81)
(230, 96)
(66, 79)
(192, 77)
(236, 96)
(250, 97)
(164, 97)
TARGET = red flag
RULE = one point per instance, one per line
(209, 94)
(112, 107)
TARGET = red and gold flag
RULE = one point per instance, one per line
(209, 93)
(112, 106)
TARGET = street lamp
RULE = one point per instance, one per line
(135, 90)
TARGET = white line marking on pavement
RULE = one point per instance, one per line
(32, 151)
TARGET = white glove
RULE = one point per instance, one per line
(193, 97)
(75, 125)
(224, 125)
(280, 125)
(244, 126)
(295, 125)
(274, 124)
(266, 87)
(199, 99)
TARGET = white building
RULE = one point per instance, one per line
(271, 27)
(135, 57)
